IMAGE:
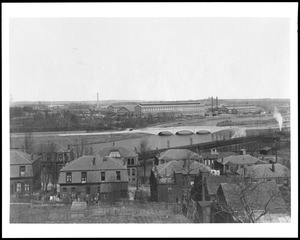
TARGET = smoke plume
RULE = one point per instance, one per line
(278, 117)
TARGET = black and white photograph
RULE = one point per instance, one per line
(150, 119)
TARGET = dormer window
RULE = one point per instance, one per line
(22, 171)
(83, 177)
(114, 154)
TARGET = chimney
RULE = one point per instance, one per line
(212, 103)
(94, 161)
(273, 167)
(217, 103)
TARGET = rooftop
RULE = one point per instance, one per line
(244, 159)
(179, 166)
(178, 154)
(84, 163)
(265, 171)
(17, 157)
(124, 152)
(258, 196)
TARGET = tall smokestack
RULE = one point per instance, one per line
(212, 103)
(217, 102)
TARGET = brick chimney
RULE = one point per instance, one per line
(273, 167)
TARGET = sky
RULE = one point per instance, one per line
(71, 59)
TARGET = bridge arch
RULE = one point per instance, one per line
(165, 133)
(184, 132)
(202, 131)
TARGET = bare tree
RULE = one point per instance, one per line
(49, 166)
(250, 201)
(81, 147)
(28, 142)
(143, 148)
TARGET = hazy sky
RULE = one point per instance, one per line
(148, 58)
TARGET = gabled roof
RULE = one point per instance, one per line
(265, 171)
(257, 195)
(124, 152)
(130, 108)
(178, 154)
(241, 160)
(84, 163)
(179, 166)
(17, 157)
(213, 182)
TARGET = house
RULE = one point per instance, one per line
(209, 158)
(126, 157)
(93, 178)
(24, 173)
(274, 171)
(172, 181)
(212, 183)
(121, 109)
(126, 110)
(247, 202)
(176, 154)
(52, 155)
(230, 164)
(265, 150)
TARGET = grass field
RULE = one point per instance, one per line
(122, 212)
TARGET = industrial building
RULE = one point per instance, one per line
(183, 107)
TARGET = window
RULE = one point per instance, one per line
(22, 171)
(132, 161)
(26, 187)
(118, 175)
(102, 176)
(73, 192)
(19, 187)
(83, 177)
(64, 192)
(69, 177)
(133, 172)
(128, 161)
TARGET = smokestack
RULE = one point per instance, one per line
(212, 103)
(217, 102)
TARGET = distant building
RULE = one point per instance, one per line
(93, 178)
(122, 109)
(183, 107)
(126, 157)
(242, 109)
(24, 173)
(172, 181)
